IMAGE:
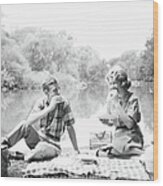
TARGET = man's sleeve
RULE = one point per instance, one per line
(68, 116)
(37, 106)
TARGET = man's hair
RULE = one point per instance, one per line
(50, 81)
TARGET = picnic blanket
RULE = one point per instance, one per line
(98, 168)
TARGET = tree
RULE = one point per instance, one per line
(148, 59)
(13, 63)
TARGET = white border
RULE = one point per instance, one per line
(54, 182)
(55, 1)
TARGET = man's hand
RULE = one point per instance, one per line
(54, 101)
(73, 139)
(57, 99)
(42, 113)
(76, 152)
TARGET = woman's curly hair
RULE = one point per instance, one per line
(118, 74)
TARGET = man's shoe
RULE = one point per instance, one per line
(4, 160)
(16, 155)
(5, 143)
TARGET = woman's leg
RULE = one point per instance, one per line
(128, 150)
(104, 151)
(134, 151)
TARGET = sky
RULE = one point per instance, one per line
(110, 28)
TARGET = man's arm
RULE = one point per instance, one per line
(72, 136)
(34, 116)
(69, 121)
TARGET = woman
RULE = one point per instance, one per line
(123, 112)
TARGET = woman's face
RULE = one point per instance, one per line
(115, 79)
(113, 84)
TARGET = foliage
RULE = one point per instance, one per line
(13, 63)
(138, 64)
(29, 55)
(148, 60)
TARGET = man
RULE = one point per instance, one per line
(54, 113)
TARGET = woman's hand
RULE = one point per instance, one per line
(113, 95)
(108, 121)
(118, 109)
(104, 121)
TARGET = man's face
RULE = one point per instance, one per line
(51, 91)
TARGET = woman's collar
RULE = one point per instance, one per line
(126, 96)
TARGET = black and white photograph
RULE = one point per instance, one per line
(77, 90)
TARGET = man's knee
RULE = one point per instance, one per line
(22, 125)
(25, 128)
(31, 136)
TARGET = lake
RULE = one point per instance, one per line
(86, 104)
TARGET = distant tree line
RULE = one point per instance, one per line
(29, 55)
(138, 64)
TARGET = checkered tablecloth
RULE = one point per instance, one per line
(103, 168)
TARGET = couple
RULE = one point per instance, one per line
(55, 115)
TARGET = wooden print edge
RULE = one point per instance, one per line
(155, 90)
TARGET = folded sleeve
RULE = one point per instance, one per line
(39, 105)
(68, 115)
(133, 110)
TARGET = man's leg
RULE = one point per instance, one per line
(23, 131)
(43, 151)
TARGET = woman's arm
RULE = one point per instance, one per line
(110, 117)
(131, 116)
(127, 121)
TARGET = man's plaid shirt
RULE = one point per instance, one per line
(56, 121)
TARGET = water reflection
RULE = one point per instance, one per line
(85, 103)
